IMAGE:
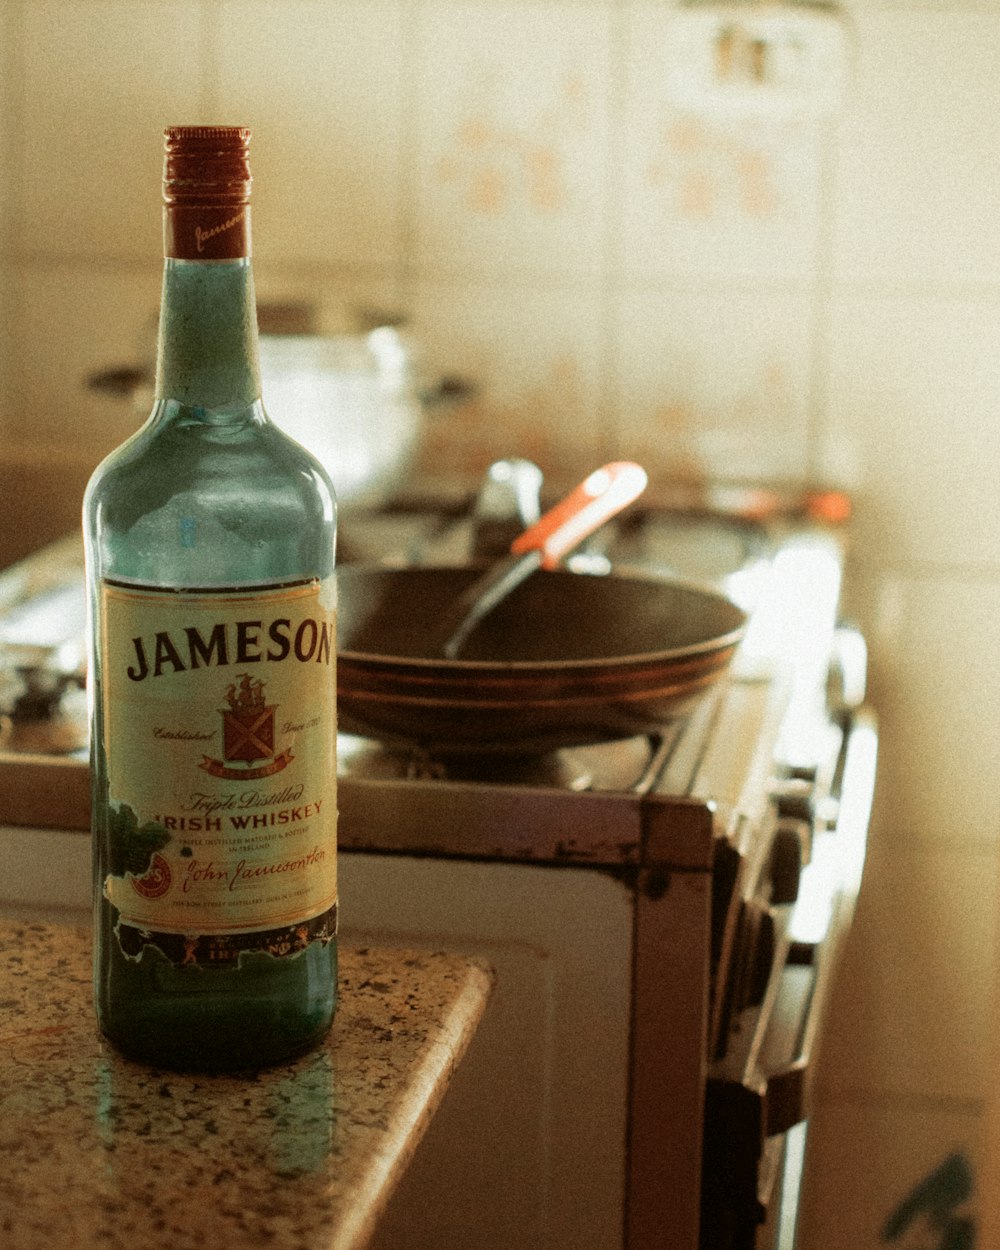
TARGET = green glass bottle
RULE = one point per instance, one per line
(209, 541)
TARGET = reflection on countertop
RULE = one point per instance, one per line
(102, 1151)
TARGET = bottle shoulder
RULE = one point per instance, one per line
(200, 503)
(250, 458)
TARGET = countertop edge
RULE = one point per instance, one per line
(415, 1113)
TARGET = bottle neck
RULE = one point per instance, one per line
(207, 357)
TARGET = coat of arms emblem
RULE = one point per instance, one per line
(247, 723)
(248, 737)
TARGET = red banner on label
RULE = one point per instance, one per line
(218, 769)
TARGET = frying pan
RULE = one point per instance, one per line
(566, 659)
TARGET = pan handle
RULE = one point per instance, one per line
(598, 498)
(605, 492)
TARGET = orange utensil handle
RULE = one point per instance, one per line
(606, 491)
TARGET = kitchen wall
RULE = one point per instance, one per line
(777, 296)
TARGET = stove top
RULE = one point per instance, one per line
(765, 551)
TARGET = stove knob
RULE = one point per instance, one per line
(762, 958)
(793, 794)
(787, 853)
(847, 678)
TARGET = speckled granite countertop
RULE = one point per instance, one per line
(97, 1150)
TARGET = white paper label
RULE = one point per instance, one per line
(219, 710)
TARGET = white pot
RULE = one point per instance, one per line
(353, 401)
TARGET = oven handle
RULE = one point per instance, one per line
(760, 1080)
(820, 922)
(761, 1088)
(807, 978)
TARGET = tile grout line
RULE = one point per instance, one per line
(608, 399)
(14, 164)
(405, 265)
(822, 296)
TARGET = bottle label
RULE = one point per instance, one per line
(220, 739)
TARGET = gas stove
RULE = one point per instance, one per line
(775, 555)
(736, 835)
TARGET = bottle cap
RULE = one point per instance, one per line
(206, 192)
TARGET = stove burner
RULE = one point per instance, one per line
(564, 770)
(627, 765)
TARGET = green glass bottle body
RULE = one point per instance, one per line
(210, 541)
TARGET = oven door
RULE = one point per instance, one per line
(758, 1095)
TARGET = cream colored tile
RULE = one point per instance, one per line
(74, 321)
(342, 300)
(919, 172)
(864, 1160)
(102, 80)
(711, 383)
(937, 692)
(911, 1013)
(321, 86)
(533, 355)
(853, 7)
(7, 98)
(911, 425)
(710, 196)
(512, 149)
(6, 187)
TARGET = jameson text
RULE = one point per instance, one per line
(237, 642)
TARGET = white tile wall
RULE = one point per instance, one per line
(879, 1156)
(710, 197)
(772, 298)
(678, 408)
(512, 138)
(931, 637)
(6, 109)
(907, 1020)
(322, 87)
(74, 320)
(88, 90)
(911, 417)
(536, 351)
(6, 104)
(919, 176)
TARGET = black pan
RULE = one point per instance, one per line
(567, 659)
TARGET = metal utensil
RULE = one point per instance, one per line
(602, 495)
(506, 505)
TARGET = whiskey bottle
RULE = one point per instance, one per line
(209, 539)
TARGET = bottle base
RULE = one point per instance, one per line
(265, 1012)
(189, 1053)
